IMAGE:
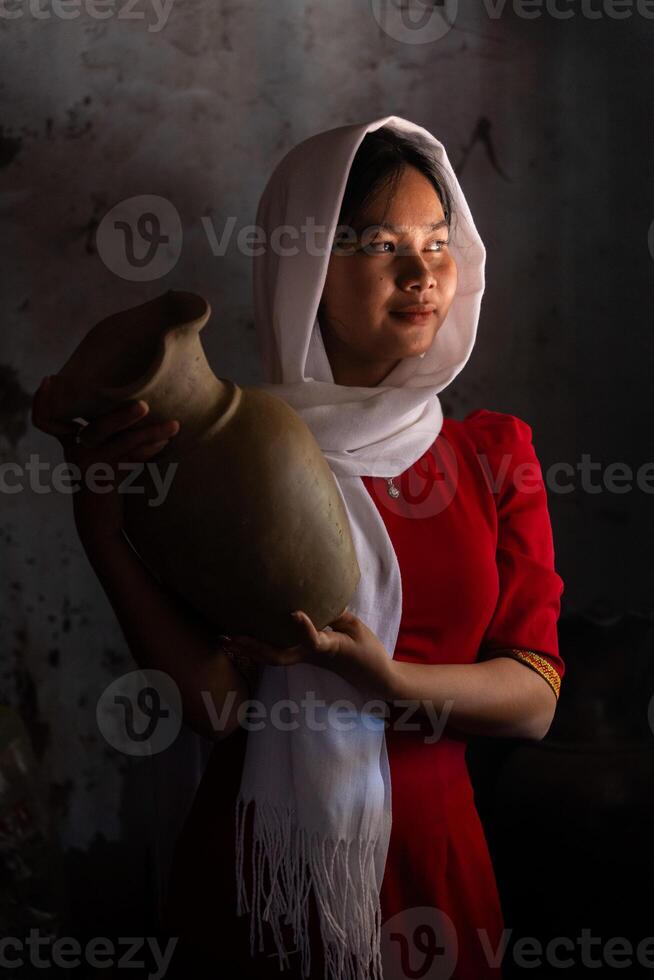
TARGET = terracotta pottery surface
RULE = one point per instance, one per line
(253, 524)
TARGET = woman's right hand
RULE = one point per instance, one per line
(108, 439)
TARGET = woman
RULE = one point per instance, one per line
(455, 621)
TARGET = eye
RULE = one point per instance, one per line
(373, 248)
(378, 248)
(441, 245)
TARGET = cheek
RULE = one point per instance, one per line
(375, 286)
(355, 287)
(339, 285)
(447, 281)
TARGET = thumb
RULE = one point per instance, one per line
(346, 622)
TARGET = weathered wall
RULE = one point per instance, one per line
(548, 122)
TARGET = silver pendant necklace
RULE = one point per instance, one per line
(390, 486)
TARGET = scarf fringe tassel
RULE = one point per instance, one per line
(350, 913)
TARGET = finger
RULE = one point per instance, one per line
(146, 452)
(305, 623)
(118, 419)
(346, 622)
(143, 440)
(289, 656)
(128, 444)
(315, 639)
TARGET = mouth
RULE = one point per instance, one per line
(413, 316)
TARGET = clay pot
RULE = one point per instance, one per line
(253, 525)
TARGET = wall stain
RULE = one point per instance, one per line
(14, 405)
(481, 134)
(68, 611)
(28, 702)
(76, 127)
(111, 658)
(89, 229)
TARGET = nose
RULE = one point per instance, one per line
(416, 274)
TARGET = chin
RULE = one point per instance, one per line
(412, 343)
(415, 350)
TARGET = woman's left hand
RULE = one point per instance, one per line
(349, 649)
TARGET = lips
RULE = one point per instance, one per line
(420, 308)
(420, 316)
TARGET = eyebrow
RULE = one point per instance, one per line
(397, 231)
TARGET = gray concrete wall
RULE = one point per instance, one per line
(549, 123)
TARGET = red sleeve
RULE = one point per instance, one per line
(524, 623)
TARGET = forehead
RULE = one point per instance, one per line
(414, 203)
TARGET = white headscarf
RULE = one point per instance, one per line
(323, 797)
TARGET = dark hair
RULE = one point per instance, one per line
(380, 161)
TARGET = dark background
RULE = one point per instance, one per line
(548, 121)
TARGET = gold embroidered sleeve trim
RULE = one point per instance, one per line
(540, 664)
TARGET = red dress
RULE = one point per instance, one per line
(473, 539)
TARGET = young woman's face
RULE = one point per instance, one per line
(373, 279)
